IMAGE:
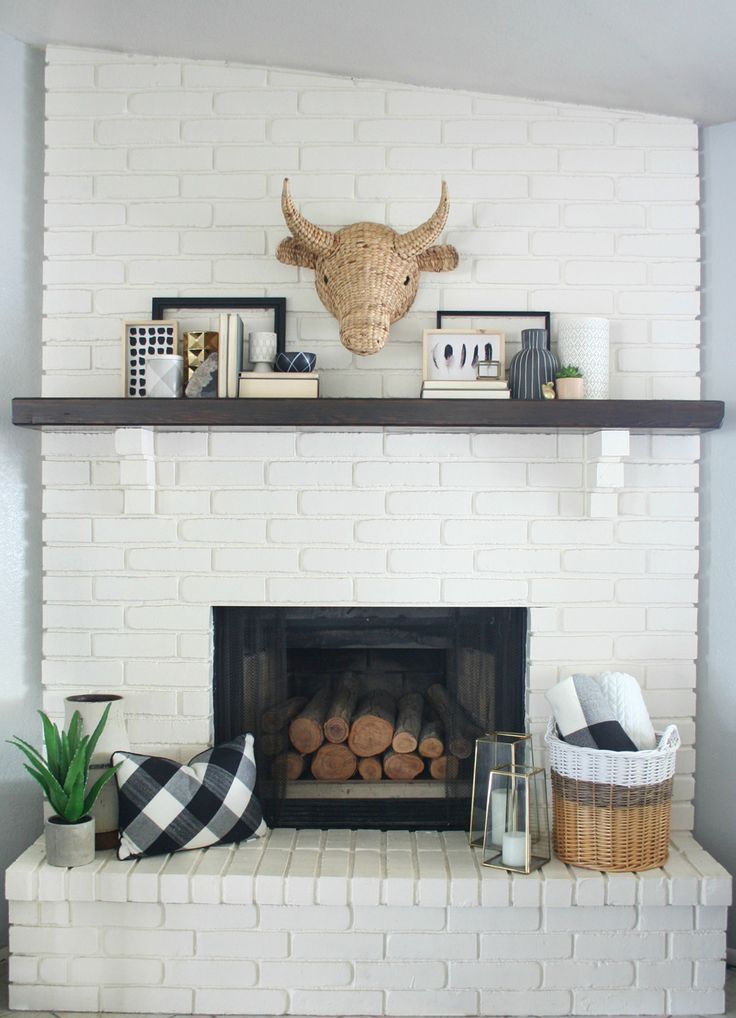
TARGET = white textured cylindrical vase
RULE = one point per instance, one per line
(91, 707)
(165, 376)
(584, 343)
(262, 350)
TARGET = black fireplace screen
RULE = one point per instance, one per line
(366, 717)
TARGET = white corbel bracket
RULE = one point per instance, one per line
(604, 472)
(135, 447)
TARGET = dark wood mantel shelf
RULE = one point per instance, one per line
(502, 415)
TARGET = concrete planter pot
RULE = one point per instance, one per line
(69, 844)
(570, 388)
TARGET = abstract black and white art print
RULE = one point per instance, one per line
(142, 340)
(453, 354)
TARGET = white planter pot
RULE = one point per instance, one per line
(262, 350)
(91, 707)
(69, 844)
(584, 342)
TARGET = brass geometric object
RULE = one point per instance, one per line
(198, 346)
(517, 836)
(496, 749)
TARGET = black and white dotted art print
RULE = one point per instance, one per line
(142, 340)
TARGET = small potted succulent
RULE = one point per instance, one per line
(569, 383)
(63, 774)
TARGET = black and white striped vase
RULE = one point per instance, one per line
(532, 366)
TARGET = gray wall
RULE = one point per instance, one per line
(21, 253)
(715, 799)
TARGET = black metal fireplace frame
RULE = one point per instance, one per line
(234, 636)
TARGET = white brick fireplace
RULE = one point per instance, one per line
(163, 179)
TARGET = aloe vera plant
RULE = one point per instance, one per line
(63, 773)
(569, 371)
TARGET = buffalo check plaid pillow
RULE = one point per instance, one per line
(166, 806)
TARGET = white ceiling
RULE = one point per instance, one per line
(673, 57)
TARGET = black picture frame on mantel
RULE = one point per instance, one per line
(160, 305)
(544, 315)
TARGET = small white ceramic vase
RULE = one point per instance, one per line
(164, 376)
(584, 342)
(114, 737)
(69, 844)
(262, 350)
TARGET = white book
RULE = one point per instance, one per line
(222, 356)
(234, 353)
(465, 394)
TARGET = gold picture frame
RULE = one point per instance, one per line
(452, 354)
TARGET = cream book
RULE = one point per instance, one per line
(222, 356)
(234, 352)
(478, 383)
(253, 385)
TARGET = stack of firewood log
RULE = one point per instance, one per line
(340, 733)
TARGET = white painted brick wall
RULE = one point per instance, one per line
(81, 938)
(371, 517)
(164, 177)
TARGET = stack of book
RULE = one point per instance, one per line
(479, 388)
(229, 354)
(278, 384)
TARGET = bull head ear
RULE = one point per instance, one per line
(293, 252)
(442, 258)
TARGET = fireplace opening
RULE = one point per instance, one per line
(366, 717)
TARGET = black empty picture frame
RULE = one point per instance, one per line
(159, 305)
(544, 315)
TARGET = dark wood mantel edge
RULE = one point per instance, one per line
(509, 415)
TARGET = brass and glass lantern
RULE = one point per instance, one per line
(517, 838)
(497, 749)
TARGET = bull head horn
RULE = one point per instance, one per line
(314, 238)
(415, 241)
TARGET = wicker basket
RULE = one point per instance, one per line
(612, 811)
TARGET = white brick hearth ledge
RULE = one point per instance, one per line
(365, 923)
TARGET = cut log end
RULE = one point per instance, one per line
(408, 723)
(402, 766)
(373, 725)
(444, 768)
(404, 742)
(288, 766)
(277, 717)
(333, 762)
(305, 734)
(431, 747)
(370, 768)
(340, 711)
(305, 731)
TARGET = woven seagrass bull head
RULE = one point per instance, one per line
(366, 274)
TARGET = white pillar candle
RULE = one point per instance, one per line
(514, 850)
(164, 376)
(498, 816)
